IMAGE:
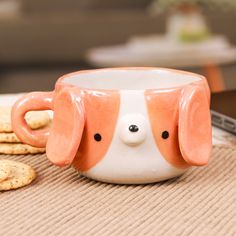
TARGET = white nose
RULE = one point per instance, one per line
(132, 129)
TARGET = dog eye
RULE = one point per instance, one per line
(165, 135)
(97, 137)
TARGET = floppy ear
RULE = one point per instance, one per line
(67, 129)
(195, 133)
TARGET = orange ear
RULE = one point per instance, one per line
(67, 129)
(195, 133)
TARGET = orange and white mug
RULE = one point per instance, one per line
(123, 125)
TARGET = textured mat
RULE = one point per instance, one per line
(60, 202)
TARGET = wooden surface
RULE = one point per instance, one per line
(214, 77)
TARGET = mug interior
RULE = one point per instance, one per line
(130, 79)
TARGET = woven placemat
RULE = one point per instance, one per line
(60, 202)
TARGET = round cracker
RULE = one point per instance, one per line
(8, 138)
(21, 175)
(19, 149)
(35, 119)
(12, 138)
(5, 171)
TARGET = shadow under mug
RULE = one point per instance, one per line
(123, 125)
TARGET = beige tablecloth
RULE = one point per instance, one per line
(60, 202)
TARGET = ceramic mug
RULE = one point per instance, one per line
(123, 125)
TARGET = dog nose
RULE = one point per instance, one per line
(132, 129)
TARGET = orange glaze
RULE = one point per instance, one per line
(68, 124)
(195, 125)
(101, 109)
(184, 113)
(163, 107)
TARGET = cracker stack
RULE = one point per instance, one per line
(9, 143)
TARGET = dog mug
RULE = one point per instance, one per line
(123, 125)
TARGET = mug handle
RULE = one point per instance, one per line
(34, 101)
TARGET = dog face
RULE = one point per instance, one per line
(131, 136)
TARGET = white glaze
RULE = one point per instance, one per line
(132, 138)
(132, 79)
(140, 163)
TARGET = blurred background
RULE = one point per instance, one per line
(41, 40)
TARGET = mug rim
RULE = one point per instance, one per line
(61, 81)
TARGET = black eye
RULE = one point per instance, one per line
(97, 137)
(165, 135)
(133, 128)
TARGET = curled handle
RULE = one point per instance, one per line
(34, 101)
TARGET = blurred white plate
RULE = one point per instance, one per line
(156, 50)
